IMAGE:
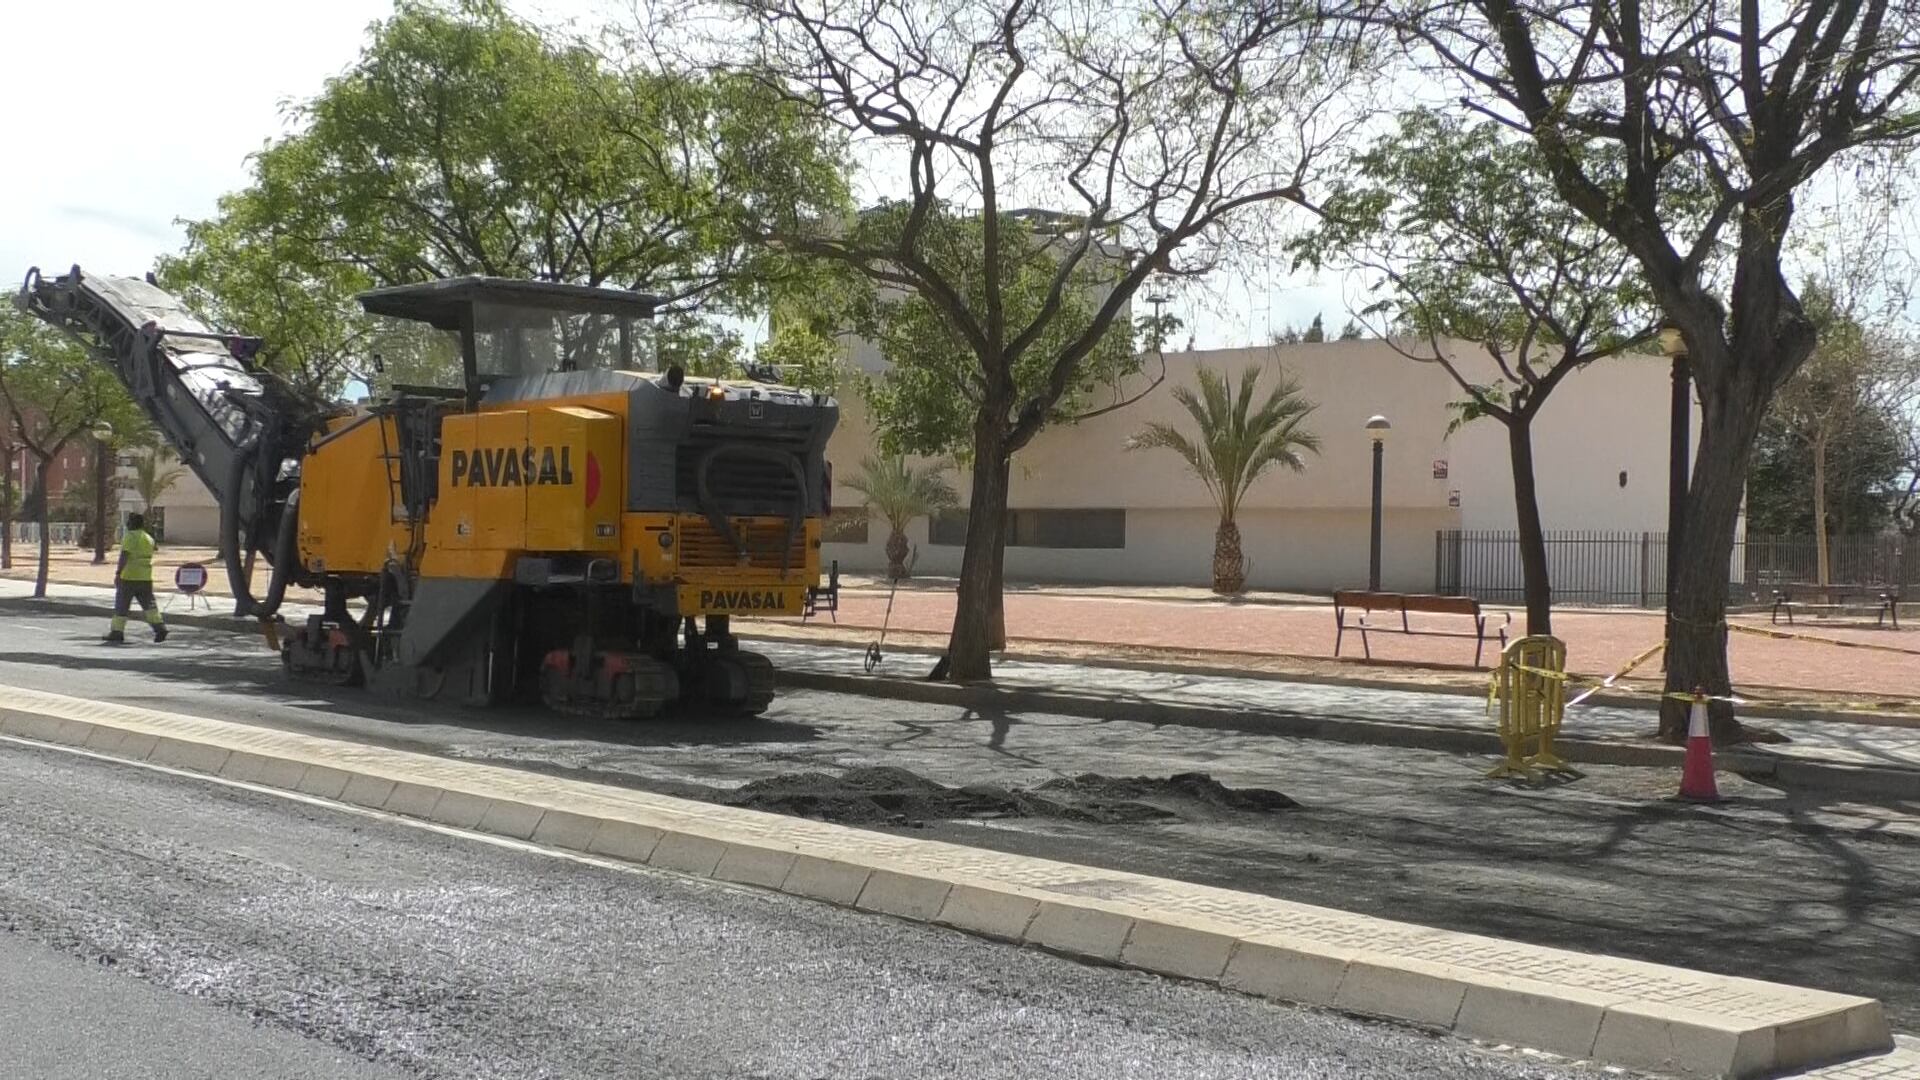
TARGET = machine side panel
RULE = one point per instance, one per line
(450, 524)
(576, 461)
(446, 614)
(495, 475)
(347, 515)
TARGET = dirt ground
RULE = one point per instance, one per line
(884, 795)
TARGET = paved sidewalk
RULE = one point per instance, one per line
(1827, 741)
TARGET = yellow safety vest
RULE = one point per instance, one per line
(138, 547)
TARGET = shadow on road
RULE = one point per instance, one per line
(323, 707)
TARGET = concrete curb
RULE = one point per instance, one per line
(1623, 1012)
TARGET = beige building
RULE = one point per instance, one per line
(188, 509)
(1086, 510)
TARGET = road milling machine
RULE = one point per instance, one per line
(561, 525)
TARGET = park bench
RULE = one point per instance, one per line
(1882, 603)
(1405, 604)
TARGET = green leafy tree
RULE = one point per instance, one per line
(1316, 332)
(1487, 274)
(466, 141)
(1233, 444)
(78, 498)
(1157, 131)
(928, 399)
(1745, 106)
(53, 393)
(1829, 458)
(898, 492)
(1859, 473)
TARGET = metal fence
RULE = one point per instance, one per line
(1629, 569)
(62, 533)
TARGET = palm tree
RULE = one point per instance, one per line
(151, 479)
(899, 492)
(1235, 444)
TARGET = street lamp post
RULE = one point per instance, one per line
(1678, 450)
(1377, 429)
(6, 503)
(102, 454)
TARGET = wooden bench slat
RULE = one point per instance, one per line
(1412, 603)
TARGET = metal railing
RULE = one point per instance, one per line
(62, 533)
(1629, 569)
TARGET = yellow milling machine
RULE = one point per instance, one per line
(561, 525)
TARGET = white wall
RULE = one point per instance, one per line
(1308, 531)
(1608, 418)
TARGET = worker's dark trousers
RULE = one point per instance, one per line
(124, 594)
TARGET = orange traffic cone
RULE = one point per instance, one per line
(1696, 776)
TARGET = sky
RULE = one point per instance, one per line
(126, 120)
(126, 116)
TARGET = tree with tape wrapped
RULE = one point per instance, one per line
(1687, 132)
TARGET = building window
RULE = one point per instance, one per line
(848, 525)
(1040, 529)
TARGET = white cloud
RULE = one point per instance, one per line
(129, 114)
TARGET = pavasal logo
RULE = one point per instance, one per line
(743, 599)
(529, 467)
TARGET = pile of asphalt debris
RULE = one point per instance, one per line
(883, 795)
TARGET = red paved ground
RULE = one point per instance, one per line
(1597, 641)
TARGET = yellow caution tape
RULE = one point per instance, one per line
(1783, 635)
(1792, 703)
(1645, 656)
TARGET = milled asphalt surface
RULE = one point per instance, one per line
(443, 956)
(81, 1019)
(1789, 887)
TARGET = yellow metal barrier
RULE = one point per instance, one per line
(1530, 686)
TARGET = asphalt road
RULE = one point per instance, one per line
(62, 1016)
(1787, 887)
(164, 921)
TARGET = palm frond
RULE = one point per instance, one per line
(1234, 443)
(898, 491)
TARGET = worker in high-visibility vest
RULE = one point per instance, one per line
(134, 581)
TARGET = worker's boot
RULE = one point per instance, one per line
(115, 637)
(159, 632)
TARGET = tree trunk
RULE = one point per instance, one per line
(897, 551)
(1534, 575)
(1822, 566)
(6, 508)
(99, 503)
(1697, 648)
(40, 478)
(997, 591)
(970, 646)
(1229, 562)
